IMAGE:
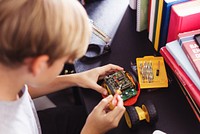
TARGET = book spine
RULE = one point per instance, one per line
(164, 25)
(142, 15)
(149, 12)
(155, 20)
(159, 18)
(189, 33)
(182, 76)
(174, 25)
(152, 16)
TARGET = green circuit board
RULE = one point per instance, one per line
(120, 81)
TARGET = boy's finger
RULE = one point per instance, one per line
(110, 68)
(113, 67)
(116, 98)
(104, 102)
(119, 107)
(120, 101)
(101, 90)
(114, 102)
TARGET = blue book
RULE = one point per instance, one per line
(178, 54)
(165, 20)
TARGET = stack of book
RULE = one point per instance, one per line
(181, 51)
(178, 62)
(172, 25)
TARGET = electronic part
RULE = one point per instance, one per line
(120, 81)
(128, 94)
(158, 69)
(146, 70)
(151, 72)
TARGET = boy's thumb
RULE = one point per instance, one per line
(101, 90)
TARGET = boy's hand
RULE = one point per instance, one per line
(101, 119)
(88, 79)
(113, 103)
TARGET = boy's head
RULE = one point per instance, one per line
(30, 28)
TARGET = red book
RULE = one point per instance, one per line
(184, 17)
(182, 76)
(192, 51)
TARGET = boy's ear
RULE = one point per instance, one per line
(38, 64)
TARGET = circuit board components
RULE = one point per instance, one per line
(123, 82)
(146, 71)
(151, 72)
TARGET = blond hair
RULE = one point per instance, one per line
(29, 28)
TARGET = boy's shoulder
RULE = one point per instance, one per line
(18, 116)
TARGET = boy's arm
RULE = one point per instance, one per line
(87, 79)
(61, 82)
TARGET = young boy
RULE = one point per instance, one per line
(36, 38)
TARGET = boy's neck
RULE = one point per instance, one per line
(6, 95)
(10, 84)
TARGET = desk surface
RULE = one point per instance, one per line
(175, 114)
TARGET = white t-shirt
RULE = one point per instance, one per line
(20, 116)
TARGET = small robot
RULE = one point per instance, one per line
(125, 84)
